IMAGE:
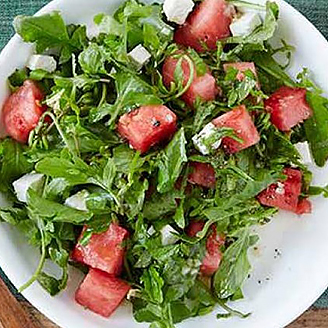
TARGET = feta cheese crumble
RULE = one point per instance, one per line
(78, 201)
(303, 149)
(23, 184)
(139, 56)
(168, 237)
(177, 11)
(246, 24)
(46, 63)
(202, 140)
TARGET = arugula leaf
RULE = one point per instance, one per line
(17, 78)
(64, 168)
(132, 92)
(52, 285)
(59, 256)
(47, 31)
(252, 189)
(92, 59)
(271, 75)
(78, 138)
(316, 128)
(160, 205)
(14, 163)
(179, 216)
(123, 156)
(241, 91)
(12, 215)
(135, 197)
(234, 267)
(108, 25)
(264, 32)
(53, 211)
(153, 285)
(171, 162)
(203, 112)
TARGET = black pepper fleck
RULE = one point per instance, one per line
(156, 123)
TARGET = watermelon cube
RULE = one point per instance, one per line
(147, 126)
(304, 206)
(213, 255)
(104, 251)
(101, 293)
(284, 194)
(208, 23)
(241, 122)
(202, 174)
(242, 68)
(203, 86)
(288, 107)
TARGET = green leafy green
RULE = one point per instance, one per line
(171, 162)
(77, 146)
(47, 31)
(55, 212)
(316, 128)
(234, 268)
(14, 163)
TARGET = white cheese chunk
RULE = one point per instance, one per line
(139, 56)
(46, 63)
(202, 140)
(177, 11)
(93, 31)
(304, 150)
(151, 231)
(23, 184)
(168, 237)
(246, 24)
(78, 201)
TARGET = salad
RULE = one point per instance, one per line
(144, 150)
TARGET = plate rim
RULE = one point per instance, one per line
(53, 5)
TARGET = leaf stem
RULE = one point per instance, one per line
(191, 75)
(232, 311)
(41, 262)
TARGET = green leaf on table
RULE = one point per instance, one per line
(171, 162)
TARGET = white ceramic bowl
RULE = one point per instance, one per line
(280, 287)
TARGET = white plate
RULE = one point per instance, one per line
(290, 283)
